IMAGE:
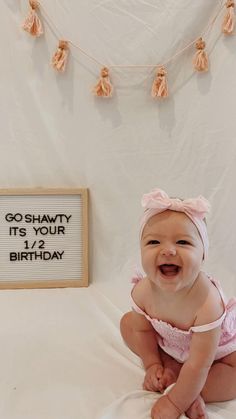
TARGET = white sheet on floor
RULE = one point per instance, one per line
(62, 357)
(136, 404)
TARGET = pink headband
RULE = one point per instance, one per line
(158, 201)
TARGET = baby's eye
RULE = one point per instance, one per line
(153, 242)
(182, 242)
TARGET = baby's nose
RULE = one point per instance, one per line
(168, 251)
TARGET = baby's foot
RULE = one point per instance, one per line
(169, 377)
(171, 371)
(197, 410)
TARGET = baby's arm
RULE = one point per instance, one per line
(147, 348)
(145, 340)
(192, 376)
(194, 372)
(203, 347)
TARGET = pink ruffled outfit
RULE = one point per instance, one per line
(176, 342)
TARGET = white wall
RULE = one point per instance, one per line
(54, 132)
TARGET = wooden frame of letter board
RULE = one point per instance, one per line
(82, 282)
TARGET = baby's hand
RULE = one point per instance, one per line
(152, 377)
(164, 409)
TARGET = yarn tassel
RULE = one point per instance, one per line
(229, 19)
(59, 59)
(104, 87)
(32, 23)
(160, 86)
(200, 60)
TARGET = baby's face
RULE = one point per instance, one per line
(171, 251)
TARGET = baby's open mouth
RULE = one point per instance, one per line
(169, 269)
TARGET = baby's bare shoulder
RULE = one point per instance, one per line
(211, 306)
(141, 292)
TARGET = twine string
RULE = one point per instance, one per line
(205, 33)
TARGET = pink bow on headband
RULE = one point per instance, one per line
(159, 201)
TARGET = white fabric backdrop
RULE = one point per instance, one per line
(55, 133)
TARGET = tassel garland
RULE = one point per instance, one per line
(104, 87)
(60, 57)
(229, 19)
(159, 86)
(200, 60)
(32, 23)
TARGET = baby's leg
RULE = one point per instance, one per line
(220, 386)
(171, 370)
(171, 367)
(221, 381)
(126, 330)
(155, 370)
